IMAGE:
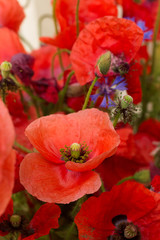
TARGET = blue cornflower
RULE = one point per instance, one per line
(106, 90)
(142, 25)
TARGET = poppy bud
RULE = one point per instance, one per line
(75, 150)
(5, 68)
(142, 176)
(15, 220)
(126, 101)
(104, 62)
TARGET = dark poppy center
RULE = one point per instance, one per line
(124, 229)
(78, 153)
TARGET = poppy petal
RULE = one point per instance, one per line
(7, 180)
(50, 182)
(46, 216)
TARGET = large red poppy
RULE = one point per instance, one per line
(11, 14)
(46, 175)
(121, 37)
(128, 209)
(7, 157)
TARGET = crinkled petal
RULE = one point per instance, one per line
(120, 36)
(50, 182)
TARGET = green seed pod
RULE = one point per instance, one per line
(5, 68)
(130, 231)
(123, 68)
(104, 63)
(75, 150)
(126, 101)
(15, 220)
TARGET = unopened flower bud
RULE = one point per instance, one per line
(75, 150)
(15, 220)
(5, 68)
(126, 101)
(104, 62)
(142, 176)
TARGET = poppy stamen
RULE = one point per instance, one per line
(78, 153)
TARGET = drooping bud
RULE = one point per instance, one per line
(104, 62)
(123, 68)
(126, 101)
(142, 176)
(75, 150)
(130, 231)
(15, 220)
(5, 68)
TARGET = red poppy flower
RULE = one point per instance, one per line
(128, 211)
(88, 11)
(133, 154)
(105, 34)
(10, 44)
(62, 170)
(44, 219)
(7, 157)
(11, 14)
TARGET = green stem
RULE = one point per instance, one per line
(3, 93)
(54, 56)
(73, 214)
(29, 92)
(62, 94)
(69, 232)
(77, 16)
(89, 93)
(24, 149)
(54, 16)
(56, 29)
(103, 187)
(156, 28)
(125, 179)
(116, 119)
